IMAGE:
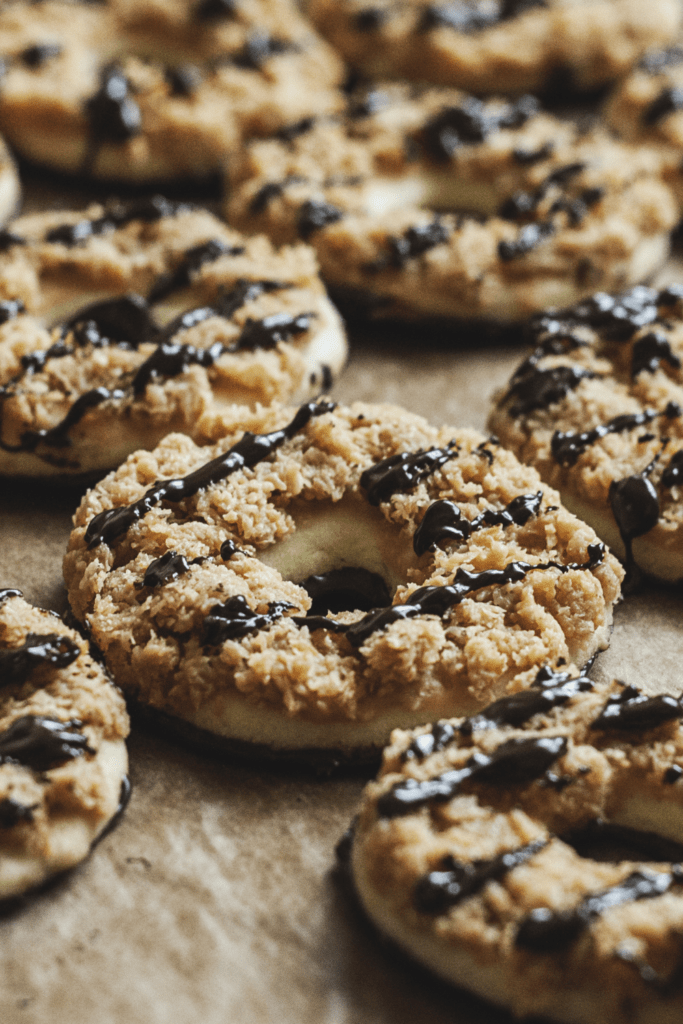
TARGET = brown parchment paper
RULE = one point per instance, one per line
(214, 900)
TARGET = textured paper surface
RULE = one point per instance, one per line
(214, 902)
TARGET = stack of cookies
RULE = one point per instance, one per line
(273, 576)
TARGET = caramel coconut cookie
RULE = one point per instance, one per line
(151, 90)
(164, 317)
(533, 853)
(63, 758)
(309, 584)
(557, 213)
(596, 408)
(646, 108)
(505, 46)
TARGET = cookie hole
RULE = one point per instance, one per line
(345, 554)
(346, 590)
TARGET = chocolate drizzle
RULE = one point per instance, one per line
(8, 592)
(673, 474)
(443, 521)
(271, 190)
(126, 319)
(193, 260)
(472, 122)
(109, 525)
(514, 762)
(551, 689)
(315, 214)
(536, 388)
(259, 48)
(617, 317)
(113, 115)
(42, 743)
(12, 812)
(58, 436)
(632, 711)
(649, 351)
(635, 507)
(17, 663)
(171, 358)
(529, 237)
(235, 619)
(669, 101)
(439, 600)
(427, 743)
(547, 931)
(402, 472)
(567, 447)
(456, 881)
(38, 55)
(116, 215)
(166, 569)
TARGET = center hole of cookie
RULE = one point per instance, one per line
(346, 590)
(345, 554)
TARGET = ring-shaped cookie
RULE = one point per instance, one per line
(301, 588)
(63, 758)
(496, 46)
(137, 90)
(533, 853)
(597, 409)
(547, 214)
(164, 316)
(646, 109)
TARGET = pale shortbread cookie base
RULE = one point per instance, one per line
(54, 281)
(372, 181)
(72, 803)
(301, 512)
(171, 135)
(591, 42)
(471, 943)
(613, 392)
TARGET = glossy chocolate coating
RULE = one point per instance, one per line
(113, 115)
(515, 762)
(400, 473)
(456, 881)
(12, 812)
(234, 619)
(439, 600)
(427, 743)
(259, 49)
(36, 56)
(313, 215)
(567, 447)
(651, 350)
(273, 189)
(635, 507)
(41, 743)
(547, 931)
(167, 568)
(673, 474)
(7, 240)
(616, 317)
(58, 436)
(529, 238)
(17, 663)
(443, 520)
(668, 102)
(251, 449)
(347, 589)
(127, 318)
(8, 592)
(609, 843)
(633, 711)
(170, 358)
(539, 389)
(193, 260)
(550, 689)
(116, 215)
(183, 80)
(472, 122)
